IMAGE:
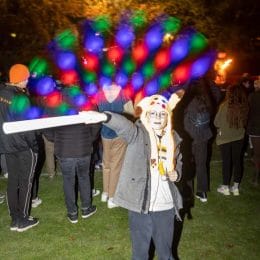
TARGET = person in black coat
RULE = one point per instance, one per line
(197, 117)
(253, 128)
(73, 146)
(20, 149)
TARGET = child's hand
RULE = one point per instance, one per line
(173, 176)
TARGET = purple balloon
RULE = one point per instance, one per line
(91, 89)
(33, 113)
(179, 49)
(154, 37)
(151, 88)
(94, 43)
(137, 81)
(121, 79)
(79, 100)
(45, 86)
(201, 65)
(125, 36)
(105, 82)
(66, 60)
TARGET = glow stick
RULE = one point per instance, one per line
(36, 124)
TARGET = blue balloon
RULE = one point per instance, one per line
(121, 79)
(137, 81)
(79, 100)
(201, 66)
(152, 87)
(72, 111)
(33, 113)
(125, 36)
(66, 60)
(154, 37)
(94, 43)
(179, 49)
(45, 85)
(105, 82)
(91, 89)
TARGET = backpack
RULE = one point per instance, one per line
(201, 119)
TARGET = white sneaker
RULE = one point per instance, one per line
(224, 190)
(95, 192)
(2, 198)
(6, 175)
(235, 191)
(111, 204)
(104, 196)
(36, 202)
(98, 166)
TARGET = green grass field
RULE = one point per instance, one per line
(222, 228)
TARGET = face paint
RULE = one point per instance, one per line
(157, 118)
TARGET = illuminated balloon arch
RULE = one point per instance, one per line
(142, 58)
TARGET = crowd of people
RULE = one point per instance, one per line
(148, 149)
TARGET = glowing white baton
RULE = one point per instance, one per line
(87, 117)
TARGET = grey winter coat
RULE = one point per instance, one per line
(134, 187)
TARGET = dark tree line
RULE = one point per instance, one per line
(26, 26)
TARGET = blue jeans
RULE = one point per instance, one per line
(158, 226)
(70, 168)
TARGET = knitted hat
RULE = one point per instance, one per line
(18, 73)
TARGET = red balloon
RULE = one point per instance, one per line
(86, 107)
(140, 53)
(181, 74)
(115, 54)
(128, 91)
(69, 77)
(54, 99)
(90, 61)
(162, 59)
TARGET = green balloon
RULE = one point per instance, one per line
(172, 25)
(38, 66)
(102, 24)
(19, 104)
(73, 91)
(62, 109)
(89, 77)
(66, 40)
(165, 80)
(129, 66)
(198, 42)
(138, 19)
(108, 69)
(148, 70)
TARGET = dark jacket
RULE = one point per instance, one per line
(197, 121)
(75, 141)
(13, 142)
(134, 187)
(253, 126)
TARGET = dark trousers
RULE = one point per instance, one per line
(70, 168)
(232, 158)
(38, 168)
(3, 164)
(255, 140)
(158, 226)
(200, 153)
(21, 166)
